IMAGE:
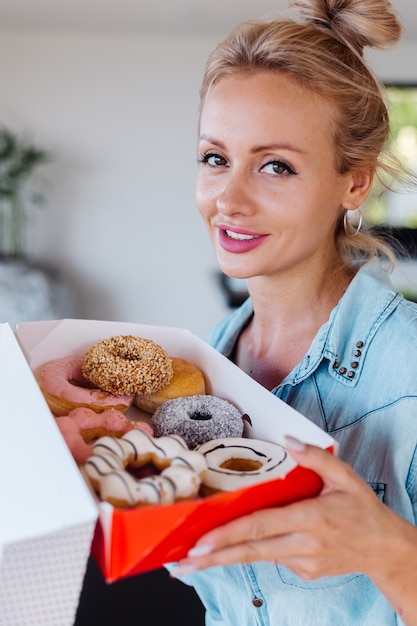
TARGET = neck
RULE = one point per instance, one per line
(288, 312)
(290, 300)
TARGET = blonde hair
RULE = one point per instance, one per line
(321, 48)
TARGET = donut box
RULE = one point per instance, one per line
(128, 542)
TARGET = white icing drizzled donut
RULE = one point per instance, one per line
(234, 463)
(181, 469)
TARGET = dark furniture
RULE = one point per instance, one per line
(150, 599)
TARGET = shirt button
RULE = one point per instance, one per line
(257, 602)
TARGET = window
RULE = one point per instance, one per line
(395, 213)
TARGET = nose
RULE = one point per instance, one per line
(236, 195)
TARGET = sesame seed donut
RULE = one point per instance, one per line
(82, 426)
(198, 419)
(65, 388)
(234, 463)
(181, 470)
(125, 364)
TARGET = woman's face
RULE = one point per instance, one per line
(267, 186)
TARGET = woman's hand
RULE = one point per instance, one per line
(345, 529)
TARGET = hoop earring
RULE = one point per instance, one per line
(346, 224)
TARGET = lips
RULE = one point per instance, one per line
(238, 240)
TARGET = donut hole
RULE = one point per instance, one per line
(200, 415)
(241, 465)
(127, 355)
(144, 471)
(149, 465)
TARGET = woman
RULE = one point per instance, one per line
(292, 131)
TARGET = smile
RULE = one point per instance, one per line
(238, 242)
(240, 236)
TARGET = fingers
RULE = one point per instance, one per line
(251, 528)
(248, 552)
(270, 534)
(337, 477)
(254, 537)
(335, 474)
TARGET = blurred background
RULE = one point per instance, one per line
(109, 91)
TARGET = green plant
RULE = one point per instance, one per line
(18, 160)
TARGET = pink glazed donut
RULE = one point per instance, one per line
(65, 388)
(82, 427)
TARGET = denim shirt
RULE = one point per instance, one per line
(358, 382)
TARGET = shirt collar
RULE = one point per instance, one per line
(345, 338)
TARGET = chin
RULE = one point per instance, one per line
(238, 272)
(235, 270)
(236, 275)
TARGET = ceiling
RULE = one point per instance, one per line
(175, 17)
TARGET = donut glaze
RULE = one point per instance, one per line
(234, 463)
(180, 475)
(82, 426)
(65, 388)
(198, 419)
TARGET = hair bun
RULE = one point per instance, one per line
(358, 23)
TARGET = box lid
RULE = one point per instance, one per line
(41, 486)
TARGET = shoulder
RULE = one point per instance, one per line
(372, 307)
(400, 327)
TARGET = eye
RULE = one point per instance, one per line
(277, 168)
(212, 159)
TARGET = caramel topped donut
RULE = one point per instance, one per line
(181, 469)
(188, 380)
(233, 463)
(198, 419)
(65, 388)
(125, 364)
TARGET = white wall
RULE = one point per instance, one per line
(119, 115)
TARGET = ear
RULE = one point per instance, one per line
(358, 188)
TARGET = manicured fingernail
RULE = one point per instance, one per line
(200, 550)
(294, 444)
(182, 570)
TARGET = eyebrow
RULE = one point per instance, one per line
(261, 148)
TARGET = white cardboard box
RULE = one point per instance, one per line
(48, 515)
(65, 510)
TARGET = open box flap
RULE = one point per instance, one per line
(41, 486)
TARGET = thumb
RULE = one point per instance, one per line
(334, 473)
